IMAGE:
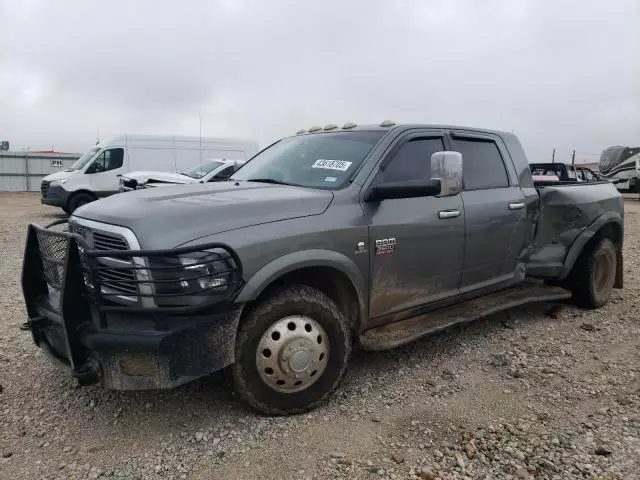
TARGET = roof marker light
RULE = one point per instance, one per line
(349, 125)
(315, 129)
(301, 131)
(330, 126)
(387, 123)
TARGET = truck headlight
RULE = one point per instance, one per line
(205, 272)
(57, 183)
(196, 273)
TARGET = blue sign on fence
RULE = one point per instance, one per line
(4, 145)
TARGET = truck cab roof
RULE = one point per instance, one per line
(398, 126)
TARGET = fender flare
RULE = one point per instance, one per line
(579, 243)
(303, 259)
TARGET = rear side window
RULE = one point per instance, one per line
(482, 164)
(413, 160)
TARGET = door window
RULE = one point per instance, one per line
(482, 164)
(413, 160)
(107, 160)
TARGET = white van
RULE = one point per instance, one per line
(96, 174)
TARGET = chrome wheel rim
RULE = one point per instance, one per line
(292, 354)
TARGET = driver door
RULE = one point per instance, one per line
(416, 245)
(105, 171)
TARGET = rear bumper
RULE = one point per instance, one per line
(138, 352)
(55, 196)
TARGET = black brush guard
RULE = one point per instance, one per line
(166, 334)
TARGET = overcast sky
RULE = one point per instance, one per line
(562, 74)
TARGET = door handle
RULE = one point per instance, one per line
(516, 206)
(449, 214)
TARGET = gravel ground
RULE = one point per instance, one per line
(544, 392)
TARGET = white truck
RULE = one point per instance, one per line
(96, 174)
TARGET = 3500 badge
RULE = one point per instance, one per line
(386, 246)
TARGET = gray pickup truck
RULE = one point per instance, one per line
(373, 235)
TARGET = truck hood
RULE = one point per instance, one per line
(143, 177)
(168, 217)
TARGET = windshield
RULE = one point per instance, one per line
(84, 159)
(323, 160)
(200, 171)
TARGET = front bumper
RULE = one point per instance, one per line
(125, 348)
(137, 352)
(55, 196)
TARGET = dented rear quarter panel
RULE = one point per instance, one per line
(569, 215)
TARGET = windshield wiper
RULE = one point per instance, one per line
(272, 180)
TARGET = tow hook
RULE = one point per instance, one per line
(32, 324)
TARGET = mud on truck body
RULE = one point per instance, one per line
(373, 235)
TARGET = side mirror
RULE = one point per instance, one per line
(404, 189)
(447, 168)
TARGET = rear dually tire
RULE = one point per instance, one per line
(594, 275)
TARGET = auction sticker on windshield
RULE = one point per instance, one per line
(341, 165)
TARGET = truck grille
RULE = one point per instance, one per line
(119, 280)
(64, 255)
(44, 187)
(115, 275)
(108, 241)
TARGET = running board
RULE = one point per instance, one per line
(405, 331)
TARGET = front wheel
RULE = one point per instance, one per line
(79, 199)
(291, 352)
(594, 275)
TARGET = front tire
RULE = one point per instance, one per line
(291, 351)
(594, 275)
